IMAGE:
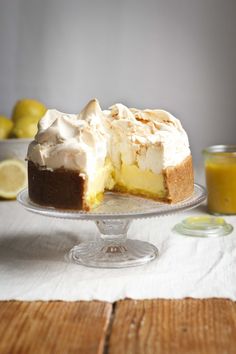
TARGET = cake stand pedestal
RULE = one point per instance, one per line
(113, 249)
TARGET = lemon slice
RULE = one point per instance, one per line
(13, 178)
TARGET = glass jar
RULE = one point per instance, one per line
(220, 172)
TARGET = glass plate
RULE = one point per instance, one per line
(118, 206)
(113, 217)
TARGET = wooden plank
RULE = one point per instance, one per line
(53, 327)
(174, 326)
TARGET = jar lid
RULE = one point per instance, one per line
(203, 226)
(214, 149)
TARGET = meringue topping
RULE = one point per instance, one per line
(151, 139)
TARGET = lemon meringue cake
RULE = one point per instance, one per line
(75, 158)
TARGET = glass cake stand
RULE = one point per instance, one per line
(113, 217)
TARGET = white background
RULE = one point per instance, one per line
(174, 54)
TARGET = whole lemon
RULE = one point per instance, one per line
(25, 127)
(5, 127)
(28, 107)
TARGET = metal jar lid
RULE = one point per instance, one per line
(220, 148)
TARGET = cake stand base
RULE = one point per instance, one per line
(100, 254)
(112, 249)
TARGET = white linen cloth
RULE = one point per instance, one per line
(32, 265)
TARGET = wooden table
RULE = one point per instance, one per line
(151, 326)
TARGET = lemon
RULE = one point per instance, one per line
(5, 127)
(26, 127)
(28, 107)
(13, 178)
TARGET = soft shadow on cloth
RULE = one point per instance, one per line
(41, 246)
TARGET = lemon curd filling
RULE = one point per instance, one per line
(132, 179)
(129, 178)
(101, 180)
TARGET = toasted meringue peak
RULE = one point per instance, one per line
(92, 112)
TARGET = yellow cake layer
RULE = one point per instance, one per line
(102, 180)
(129, 178)
(132, 179)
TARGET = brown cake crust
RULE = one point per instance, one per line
(63, 189)
(179, 181)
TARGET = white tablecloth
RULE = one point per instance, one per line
(32, 265)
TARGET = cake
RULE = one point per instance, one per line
(75, 158)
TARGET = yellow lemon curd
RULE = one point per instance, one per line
(220, 169)
(129, 178)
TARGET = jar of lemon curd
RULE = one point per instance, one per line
(220, 171)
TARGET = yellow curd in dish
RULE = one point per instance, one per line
(220, 172)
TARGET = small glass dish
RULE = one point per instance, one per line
(220, 172)
(203, 226)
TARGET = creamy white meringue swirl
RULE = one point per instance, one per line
(73, 142)
(151, 139)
